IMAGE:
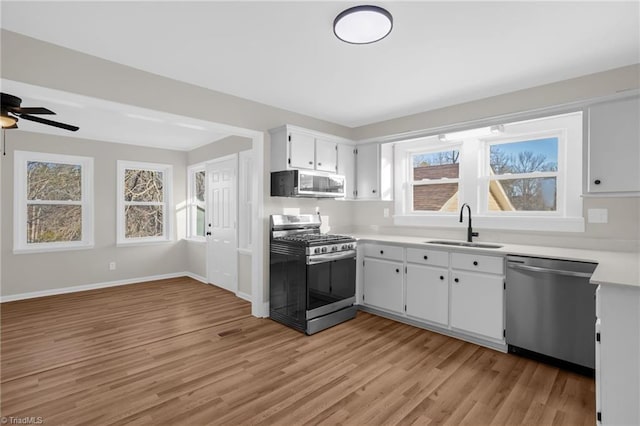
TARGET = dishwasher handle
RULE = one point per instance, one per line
(549, 271)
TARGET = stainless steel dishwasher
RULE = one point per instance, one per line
(550, 309)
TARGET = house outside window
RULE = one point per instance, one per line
(144, 200)
(53, 206)
(196, 202)
(526, 177)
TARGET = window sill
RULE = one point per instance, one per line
(51, 248)
(520, 223)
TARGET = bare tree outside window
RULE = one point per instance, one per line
(199, 203)
(144, 203)
(515, 184)
(54, 211)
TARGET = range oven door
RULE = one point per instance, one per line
(331, 284)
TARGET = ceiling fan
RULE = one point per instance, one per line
(12, 111)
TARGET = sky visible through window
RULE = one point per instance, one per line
(547, 147)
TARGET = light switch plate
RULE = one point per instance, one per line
(598, 215)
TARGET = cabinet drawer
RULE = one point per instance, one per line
(428, 257)
(383, 251)
(478, 263)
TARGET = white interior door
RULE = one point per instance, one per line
(222, 254)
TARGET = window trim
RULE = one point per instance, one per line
(20, 244)
(569, 214)
(167, 212)
(192, 202)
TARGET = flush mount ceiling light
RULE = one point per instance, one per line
(363, 24)
(472, 133)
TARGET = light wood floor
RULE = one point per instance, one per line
(181, 352)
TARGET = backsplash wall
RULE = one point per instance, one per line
(621, 233)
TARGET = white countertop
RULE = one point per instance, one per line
(614, 267)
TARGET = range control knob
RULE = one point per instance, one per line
(334, 248)
(324, 249)
(344, 247)
(316, 250)
(350, 246)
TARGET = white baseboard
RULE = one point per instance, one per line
(63, 290)
(196, 277)
(244, 296)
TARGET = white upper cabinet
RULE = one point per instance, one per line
(347, 168)
(301, 150)
(368, 171)
(614, 146)
(326, 156)
(297, 148)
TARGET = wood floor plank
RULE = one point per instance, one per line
(180, 352)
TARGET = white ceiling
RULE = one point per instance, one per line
(285, 54)
(113, 122)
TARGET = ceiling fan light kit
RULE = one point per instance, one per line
(363, 24)
(12, 112)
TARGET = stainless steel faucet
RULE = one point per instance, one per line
(470, 233)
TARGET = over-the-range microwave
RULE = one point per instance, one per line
(306, 183)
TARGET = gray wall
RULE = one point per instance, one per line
(24, 273)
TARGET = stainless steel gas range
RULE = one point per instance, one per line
(312, 276)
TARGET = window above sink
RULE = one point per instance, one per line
(526, 176)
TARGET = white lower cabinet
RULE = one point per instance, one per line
(457, 293)
(383, 284)
(477, 303)
(428, 293)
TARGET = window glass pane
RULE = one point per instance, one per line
(442, 197)
(200, 219)
(143, 221)
(540, 155)
(53, 223)
(200, 186)
(435, 165)
(535, 194)
(53, 181)
(143, 185)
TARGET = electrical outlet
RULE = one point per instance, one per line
(112, 266)
(598, 215)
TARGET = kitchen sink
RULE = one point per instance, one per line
(465, 244)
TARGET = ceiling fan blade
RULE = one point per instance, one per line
(49, 122)
(30, 110)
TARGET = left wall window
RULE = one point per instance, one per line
(197, 207)
(53, 202)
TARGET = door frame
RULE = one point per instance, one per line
(208, 164)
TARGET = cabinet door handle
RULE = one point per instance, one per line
(397, 271)
(425, 257)
(381, 251)
(456, 280)
(597, 181)
(319, 164)
(373, 190)
(442, 277)
(475, 263)
(310, 162)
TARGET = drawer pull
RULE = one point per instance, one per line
(475, 263)
(597, 181)
(425, 257)
(456, 280)
(442, 277)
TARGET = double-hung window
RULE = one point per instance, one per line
(144, 201)
(196, 205)
(524, 175)
(53, 205)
